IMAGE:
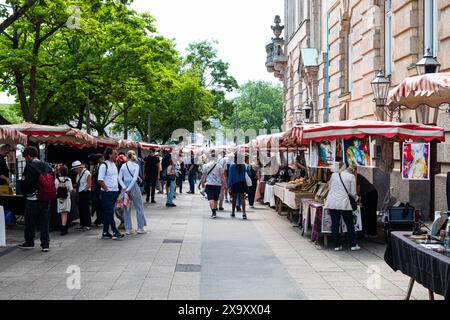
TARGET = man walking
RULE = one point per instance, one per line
(36, 211)
(151, 175)
(212, 180)
(192, 172)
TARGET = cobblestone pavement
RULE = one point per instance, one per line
(186, 255)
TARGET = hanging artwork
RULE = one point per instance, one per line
(323, 154)
(416, 161)
(357, 152)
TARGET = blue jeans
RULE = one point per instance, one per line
(191, 179)
(336, 223)
(171, 192)
(109, 200)
(136, 198)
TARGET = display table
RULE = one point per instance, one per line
(13, 203)
(269, 197)
(278, 191)
(422, 265)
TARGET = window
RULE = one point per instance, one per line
(431, 20)
(388, 39)
(350, 59)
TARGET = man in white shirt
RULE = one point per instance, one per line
(224, 191)
(83, 186)
(213, 178)
(108, 181)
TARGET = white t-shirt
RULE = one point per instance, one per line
(82, 179)
(215, 176)
(125, 176)
(337, 197)
(109, 175)
(62, 180)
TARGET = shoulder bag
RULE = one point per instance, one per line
(353, 202)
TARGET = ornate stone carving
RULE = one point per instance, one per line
(277, 28)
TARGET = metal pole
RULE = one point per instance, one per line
(148, 127)
(125, 124)
(88, 114)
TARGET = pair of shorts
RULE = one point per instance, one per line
(213, 192)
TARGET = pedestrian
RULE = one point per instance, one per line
(224, 190)
(369, 203)
(238, 185)
(129, 177)
(342, 187)
(64, 187)
(36, 206)
(165, 162)
(95, 161)
(181, 175)
(212, 181)
(192, 172)
(83, 190)
(4, 171)
(254, 175)
(151, 175)
(171, 175)
(108, 181)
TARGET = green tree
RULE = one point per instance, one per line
(259, 106)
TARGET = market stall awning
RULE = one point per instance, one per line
(107, 142)
(11, 136)
(127, 144)
(432, 89)
(362, 128)
(55, 135)
(148, 146)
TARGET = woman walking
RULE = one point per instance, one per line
(254, 175)
(64, 187)
(342, 187)
(238, 185)
(128, 178)
(171, 175)
(108, 181)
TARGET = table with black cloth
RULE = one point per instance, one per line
(13, 203)
(422, 265)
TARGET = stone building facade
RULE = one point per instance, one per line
(334, 48)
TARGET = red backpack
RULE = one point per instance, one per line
(46, 187)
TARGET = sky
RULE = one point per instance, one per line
(242, 28)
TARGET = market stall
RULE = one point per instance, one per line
(346, 142)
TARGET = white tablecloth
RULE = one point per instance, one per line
(2, 228)
(269, 197)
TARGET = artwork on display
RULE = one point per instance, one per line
(340, 151)
(357, 221)
(326, 221)
(416, 161)
(357, 152)
(323, 154)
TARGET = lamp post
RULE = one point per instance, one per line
(307, 111)
(298, 116)
(428, 64)
(380, 88)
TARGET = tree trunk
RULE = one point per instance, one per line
(33, 71)
(125, 124)
(18, 12)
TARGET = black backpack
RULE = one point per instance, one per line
(62, 192)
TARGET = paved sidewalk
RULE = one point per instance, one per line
(186, 255)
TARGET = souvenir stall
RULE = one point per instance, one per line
(9, 200)
(347, 142)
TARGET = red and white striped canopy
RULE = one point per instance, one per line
(148, 146)
(362, 128)
(432, 89)
(11, 136)
(55, 135)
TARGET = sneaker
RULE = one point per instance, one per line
(118, 237)
(221, 209)
(227, 201)
(355, 248)
(129, 232)
(338, 249)
(45, 249)
(238, 209)
(253, 207)
(99, 225)
(141, 231)
(26, 246)
(107, 236)
(153, 201)
(214, 216)
(244, 216)
(233, 215)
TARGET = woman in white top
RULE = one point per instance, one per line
(64, 187)
(342, 185)
(128, 179)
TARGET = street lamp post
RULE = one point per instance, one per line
(380, 88)
(428, 64)
(298, 116)
(307, 111)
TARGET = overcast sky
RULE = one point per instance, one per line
(242, 28)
